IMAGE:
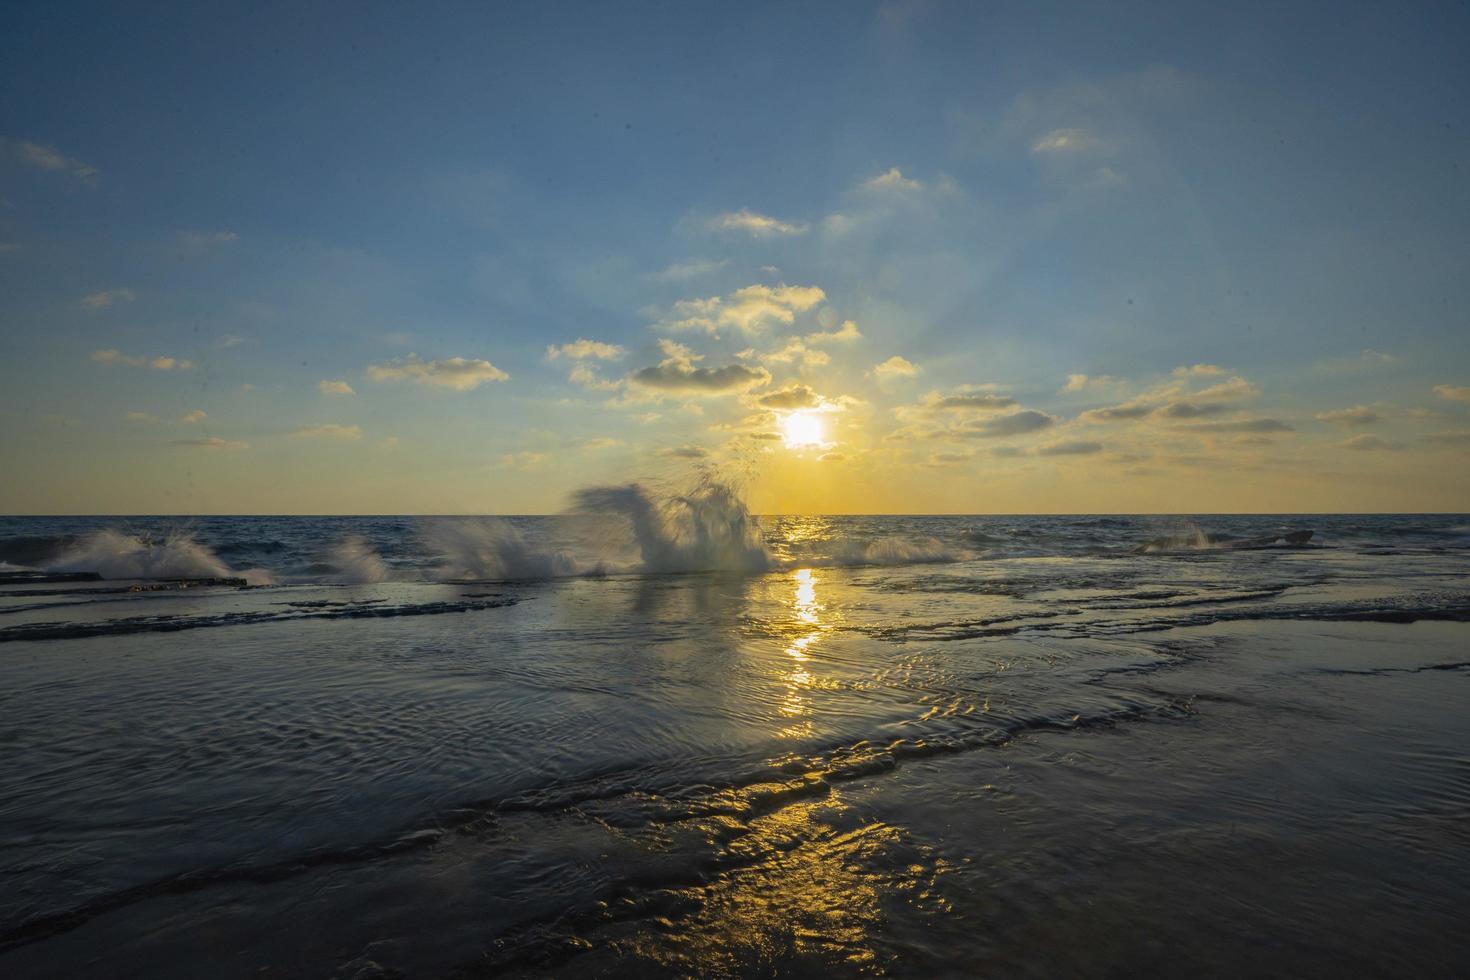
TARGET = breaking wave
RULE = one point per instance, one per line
(115, 554)
(706, 529)
(490, 548)
(358, 563)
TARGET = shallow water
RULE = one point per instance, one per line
(911, 745)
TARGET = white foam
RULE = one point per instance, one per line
(117, 555)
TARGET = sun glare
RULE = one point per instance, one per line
(801, 429)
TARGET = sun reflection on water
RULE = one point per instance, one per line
(807, 629)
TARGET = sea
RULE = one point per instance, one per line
(658, 735)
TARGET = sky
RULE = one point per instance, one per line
(903, 257)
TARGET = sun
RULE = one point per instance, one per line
(799, 429)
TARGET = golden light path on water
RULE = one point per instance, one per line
(813, 879)
(797, 705)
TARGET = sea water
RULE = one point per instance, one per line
(658, 735)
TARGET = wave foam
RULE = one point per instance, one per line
(115, 554)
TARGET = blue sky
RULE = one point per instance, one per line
(255, 257)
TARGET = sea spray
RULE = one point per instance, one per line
(708, 528)
(115, 554)
(490, 548)
(357, 562)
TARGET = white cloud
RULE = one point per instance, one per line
(585, 376)
(1085, 382)
(525, 460)
(1454, 393)
(756, 225)
(214, 442)
(334, 388)
(893, 368)
(1071, 140)
(794, 351)
(750, 310)
(196, 415)
(161, 363)
(582, 349)
(200, 242)
(601, 442)
(50, 158)
(329, 430)
(457, 373)
(1350, 417)
(847, 333)
(690, 269)
(892, 180)
(107, 297)
(1198, 371)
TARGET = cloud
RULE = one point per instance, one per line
(1354, 363)
(52, 159)
(893, 368)
(1082, 382)
(334, 388)
(844, 334)
(1189, 410)
(583, 349)
(197, 415)
(969, 401)
(457, 373)
(524, 460)
(140, 417)
(585, 376)
(161, 363)
(1241, 425)
(892, 180)
(749, 310)
(1454, 393)
(1367, 443)
(684, 452)
(796, 350)
(214, 442)
(107, 297)
(1066, 141)
(1198, 370)
(1459, 438)
(755, 225)
(831, 457)
(1173, 399)
(791, 397)
(1001, 426)
(1234, 388)
(1072, 447)
(685, 271)
(677, 373)
(1118, 413)
(200, 242)
(755, 307)
(601, 442)
(329, 430)
(1358, 415)
(949, 459)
